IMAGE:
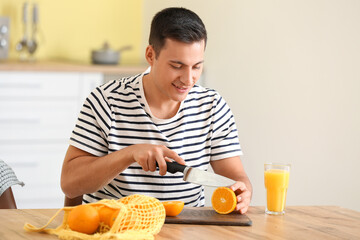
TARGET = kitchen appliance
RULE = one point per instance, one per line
(4, 37)
(198, 176)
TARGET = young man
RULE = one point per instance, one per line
(127, 126)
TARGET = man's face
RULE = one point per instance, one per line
(177, 68)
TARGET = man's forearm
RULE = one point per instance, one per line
(84, 173)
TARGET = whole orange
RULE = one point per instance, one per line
(105, 214)
(84, 218)
(113, 217)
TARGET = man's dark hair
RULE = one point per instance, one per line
(178, 24)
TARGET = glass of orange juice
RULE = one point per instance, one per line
(276, 176)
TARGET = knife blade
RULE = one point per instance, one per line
(198, 176)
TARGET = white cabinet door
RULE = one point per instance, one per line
(37, 85)
(22, 120)
(38, 111)
(38, 165)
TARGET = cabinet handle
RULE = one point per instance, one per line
(20, 85)
(20, 121)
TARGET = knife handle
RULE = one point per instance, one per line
(173, 167)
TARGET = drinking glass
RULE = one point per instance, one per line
(276, 177)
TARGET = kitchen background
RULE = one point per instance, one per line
(68, 30)
(288, 69)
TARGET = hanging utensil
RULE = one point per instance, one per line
(22, 45)
(32, 44)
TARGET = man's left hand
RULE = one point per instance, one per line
(243, 196)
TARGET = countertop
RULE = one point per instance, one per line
(299, 222)
(69, 67)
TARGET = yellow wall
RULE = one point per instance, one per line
(69, 30)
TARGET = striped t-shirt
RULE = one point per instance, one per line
(116, 115)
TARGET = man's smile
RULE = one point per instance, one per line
(182, 89)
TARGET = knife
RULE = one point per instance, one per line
(198, 176)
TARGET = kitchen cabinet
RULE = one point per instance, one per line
(38, 110)
(39, 104)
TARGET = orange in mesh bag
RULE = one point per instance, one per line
(135, 217)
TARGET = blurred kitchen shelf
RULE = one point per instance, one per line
(50, 66)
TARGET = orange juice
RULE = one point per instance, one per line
(276, 184)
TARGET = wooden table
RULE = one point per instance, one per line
(310, 222)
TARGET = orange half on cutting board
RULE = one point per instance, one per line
(223, 200)
(173, 208)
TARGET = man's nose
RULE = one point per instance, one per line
(187, 77)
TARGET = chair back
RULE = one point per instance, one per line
(71, 202)
(7, 200)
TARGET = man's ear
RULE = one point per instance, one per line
(150, 55)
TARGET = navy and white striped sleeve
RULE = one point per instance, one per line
(225, 141)
(93, 125)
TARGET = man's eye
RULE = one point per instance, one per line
(197, 67)
(176, 66)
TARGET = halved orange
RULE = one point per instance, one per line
(223, 200)
(173, 208)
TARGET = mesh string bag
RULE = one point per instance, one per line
(139, 217)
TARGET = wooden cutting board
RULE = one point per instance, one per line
(208, 216)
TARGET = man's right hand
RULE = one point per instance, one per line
(102, 170)
(147, 155)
